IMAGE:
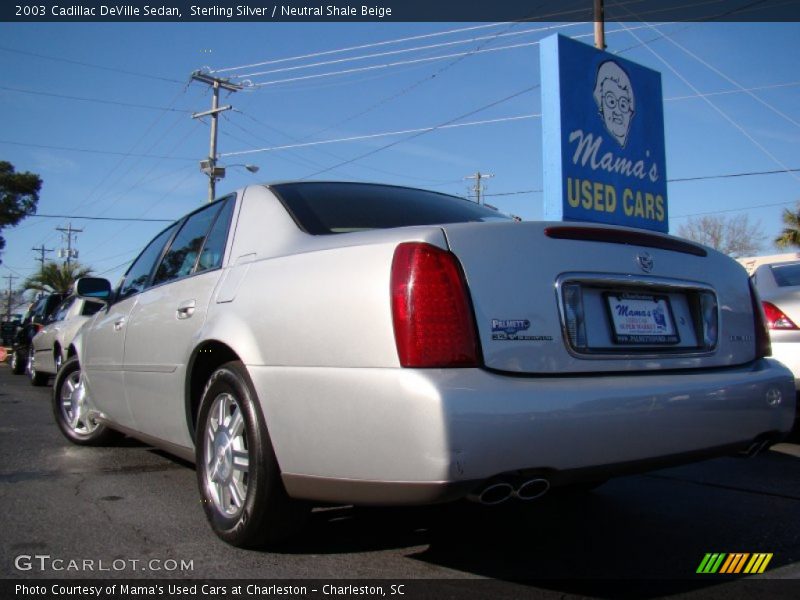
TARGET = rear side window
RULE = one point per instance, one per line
(214, 248)
(786, 275)
(182, 256)
(323, 208)
(139, 273)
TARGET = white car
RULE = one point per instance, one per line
(48, 349)
(778, 284)
(324, 342)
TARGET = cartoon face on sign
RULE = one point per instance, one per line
(613, 94)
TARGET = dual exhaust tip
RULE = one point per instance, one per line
(500, 491)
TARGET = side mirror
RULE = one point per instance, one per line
(94, 288)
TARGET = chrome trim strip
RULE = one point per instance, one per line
(182, 452)
(362, 491)
(134, 368)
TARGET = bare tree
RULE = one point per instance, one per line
(734, 236)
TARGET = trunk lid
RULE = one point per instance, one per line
(554, 298)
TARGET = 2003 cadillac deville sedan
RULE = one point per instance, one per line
(370, 344)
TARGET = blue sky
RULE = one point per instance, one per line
(43, 133)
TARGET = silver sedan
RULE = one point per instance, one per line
(369, 344)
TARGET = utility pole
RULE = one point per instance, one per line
(599, 25)
(209, 166)
(68, 252)
(11, 279)
(478, 187)
(42, 250)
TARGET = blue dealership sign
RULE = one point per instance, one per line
(603, 135)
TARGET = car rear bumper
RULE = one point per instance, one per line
(789, 354)
(406, 436)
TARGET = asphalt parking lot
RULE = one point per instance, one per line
(135, 508)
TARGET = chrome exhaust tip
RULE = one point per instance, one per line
(755, 448)
(532, 489)
(493, 494)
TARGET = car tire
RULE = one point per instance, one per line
(237, 471)
(70, 409)
(58, 360)
(37, 378)
(17, 364)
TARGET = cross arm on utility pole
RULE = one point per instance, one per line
(478, 187)
(209, 166)
(42, 251)
(70, 252)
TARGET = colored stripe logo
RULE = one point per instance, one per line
(734, 563)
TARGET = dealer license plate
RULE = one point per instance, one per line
(641, 318)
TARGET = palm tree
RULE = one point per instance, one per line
(56, 278)
(790, 236)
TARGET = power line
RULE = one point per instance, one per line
(473, 123)
(413, 86)
(97, 100)
(730, 210)
(418, 130)
(450, 122)
(92, 151)
(572, 13)
(730, 175)
(398, 63)
(368, 136)
(716, 108)
(152, 205)
(89, 199)
(263, 84)
(671, 180)
(42, 251)
(739, 86)
(93, 66)
(87, 218)
(737, 91)
(486, 195)
(360, 47)
(407, 50)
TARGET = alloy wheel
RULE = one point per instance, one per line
(226, 456)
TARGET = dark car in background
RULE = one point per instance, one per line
(32, 322)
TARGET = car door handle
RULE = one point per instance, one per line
(119, 324)
(185, 309)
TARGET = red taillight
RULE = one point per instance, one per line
(433, 321)
(776, 319)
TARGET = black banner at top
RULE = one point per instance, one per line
(396, 10)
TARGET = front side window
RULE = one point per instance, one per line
(180, 259)
(138, 275)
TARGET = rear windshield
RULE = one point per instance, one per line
(323, 208)
(786, 275)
